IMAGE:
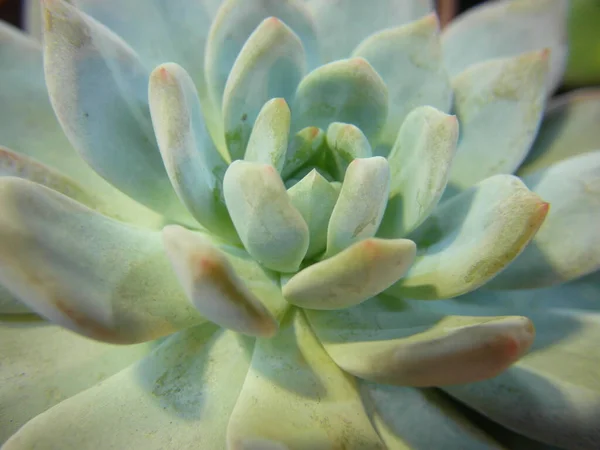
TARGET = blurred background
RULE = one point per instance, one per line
(584, 34)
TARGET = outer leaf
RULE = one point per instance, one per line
(235, 22)
(304, 146)
(420, 165)
(348, 91)
(409, 60)
(507, 28)
(470, 238)
(98, 89)
(9, 304)
(337, 38)
(499, 105)
(213, 286)
(84, 271)
(272, 230)
(194, 165)
(354, 275)
(346, 143)
(43, 364)
(180, 396)
(568, 243)
(383, 340)
(305, 400)
(553, 393)
(269, 139)
(270, 65)
(314, 197)
(570, 127)
(360, 205)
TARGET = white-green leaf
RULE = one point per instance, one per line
(314, 197)
(180, 396)
(91, 274)
(388, 341)
(304, 147)
(269, 139)
(470, 238)
(507, 28)
(270, 65)
(567, 246)
(269, 226)
(348, 91)
(346, 143)
(570, 127)
(420, 164)
(409, 60)
(499, 104)
(360, 205)
(295, 396)
(9, 304)
(354, 275)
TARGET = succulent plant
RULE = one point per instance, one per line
(295, 224)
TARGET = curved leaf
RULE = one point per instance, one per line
(303, 147)
(345, 143)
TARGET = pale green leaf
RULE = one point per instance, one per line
(304, 147)
(346, 143)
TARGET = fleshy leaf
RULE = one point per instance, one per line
(354, 275)
(269, 139)
(314, 197)
(499, 105)
(212, 285)
(99, 91)
(50, 365)
(348, 91)
(346, 143)
(470, 238)
(236, 20)
(570, 127)
(420, 164)
(383, 340)
(303, 147)
(194, 165)
(293, 378)
(567, 246)
(552, 394)
(360, 205)
(404, 417)
(180, 396)
(342, 24)
(9, 304)
(91, 274)
(271, 229)
(409, 60)
(270, 65)
(507, 28)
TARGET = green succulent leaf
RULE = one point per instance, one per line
(420, 164)
(108, 121)
(194, 165)
(236, 20)
(499, 104)
(36, 373)
(552, 394)
(409, 60)
(165, 396)
(303, 147)
(354, 275)
(346, 143)
(383, 340)
(314, 197)
(270, 65)
(271, 229)
(294, 378)
(341, 25)
(96, 276)
(567, 246)
(472, 237)
(348, 91)
(9, 304)
(360, 205)
(507, 28)
(269, 139)
(570, 127)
